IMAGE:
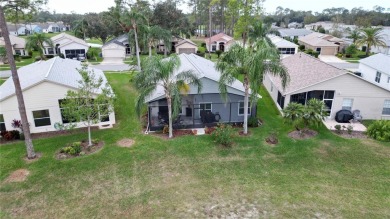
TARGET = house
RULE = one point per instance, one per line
(220, 41)
(324, 44)
(33, 28)
(293, 33)
(44, 85)
(186, 46)
(285, 47)
(175, 40)
(16, 29)
(376, 69)
(116, 50)
(295, 25)
(69, 46)
(339, 89)
(199, 109)
(51, 27)
(18, 45)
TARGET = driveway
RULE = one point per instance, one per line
(331, 59)
(5, 74)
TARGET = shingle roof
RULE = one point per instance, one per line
(72, 38)
(293, 32)
(17, 42)
(378, 61)
(120, 40)
(185, 41)
(304, 71)
(56, 70)
(203, 68)
(318, 39)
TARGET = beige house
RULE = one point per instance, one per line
(220, 41)
(18, 45)
(324, 44)
(186, 46)
(44, 85)
(339, 89)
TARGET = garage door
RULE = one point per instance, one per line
(328, 51)
(113, 53)
(186, 50)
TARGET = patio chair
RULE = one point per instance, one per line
(356, 116)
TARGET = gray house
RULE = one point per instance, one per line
(198, 110)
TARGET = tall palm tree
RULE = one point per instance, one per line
(36, 42)
(251, 64)
(371, 37)
(258, 32)
(135, 19)
(163, 72)
(18, 89)
(354, 35)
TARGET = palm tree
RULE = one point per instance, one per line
(371, 37)
(293, 114)
(36, 42)
(354, 35)
(163, 72)
(156, 34)
(258, 32)
(251, 64)
(18, 89)
(135, 19)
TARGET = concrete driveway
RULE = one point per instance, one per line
(331, 59)
(113, 67)
(5, 74)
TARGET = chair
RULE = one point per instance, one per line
(356, 116)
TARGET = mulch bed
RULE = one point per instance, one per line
(241, 133)
(85, 148)
(37, 156)
(354, 134)
(304, 134)
(176, 133)
(125, 143)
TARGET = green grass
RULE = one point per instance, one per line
(367, 122)
(191, 177)
(2, 81)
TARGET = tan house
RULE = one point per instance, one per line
(324, 44)
(18, 45)
(220, 41)
(339, 89)
(186, 46)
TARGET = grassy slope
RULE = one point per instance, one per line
(327, 176)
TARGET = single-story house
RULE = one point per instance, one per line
(376, 69)
(220, 41)
(285, 47)
(339, 89)
(324, 44)
(71, 47)
(295, 25)
(51, 27)
(33, 28)
(293, 33)
(175, 40)
(18, 45)
(44, 85)
(16, 29)
(198, 110)
(186, 46)
(116, 50)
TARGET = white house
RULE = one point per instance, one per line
(285, 47)
(376, 69)
(186, 46)
(339, 89)
(18, 45)
(116, 50)
(69, 46)
(44, 85)
(293, 33)
(220, 41)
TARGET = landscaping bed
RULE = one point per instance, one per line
(353, 134)
(303, 134)
(77, 149)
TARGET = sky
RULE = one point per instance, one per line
(84, 6)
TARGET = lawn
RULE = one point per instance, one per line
(191, 177)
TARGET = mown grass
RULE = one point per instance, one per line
(191, 177)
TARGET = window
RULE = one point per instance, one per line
(128, 50)
(386, 108)
(347, 104)
(213, 47)
(2, 123)
(205, 106)
(280, 100)
(41, 118)
(241, 108)
(388, 79)
(299, 98)
(18, 52)
(378, 77)
(318, 50)
(50, 51)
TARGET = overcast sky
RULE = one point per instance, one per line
(84, 6)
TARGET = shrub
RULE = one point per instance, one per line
(316, 54)
(25, 57)
(8, 136)
(200, 54)
(339, 55)
(38, 58)
(301, 47)
(15, 134)
(201, 50)
(203, 45)
(253, 122)
(350, 129)
(209, 130)
(338, 128)
(166, 129)
(351, 49)
(218, 52)
(379, 130)
(49, 56)
(309, 51)
(362, 56)
(223, 134)
(74, 149)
